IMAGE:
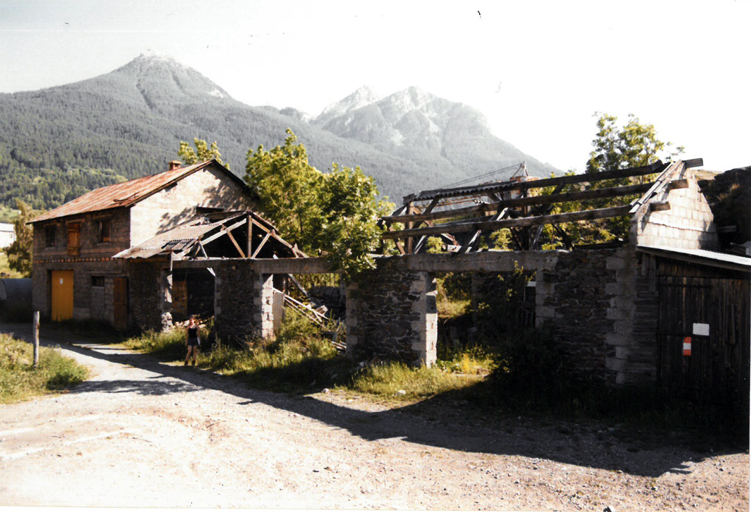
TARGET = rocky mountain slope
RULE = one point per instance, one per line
(130, 122)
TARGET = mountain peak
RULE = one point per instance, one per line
(363, 96)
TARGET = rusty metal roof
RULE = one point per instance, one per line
(127, 193)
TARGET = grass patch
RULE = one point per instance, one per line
(19, 380)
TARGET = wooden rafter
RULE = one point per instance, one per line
(464, 227)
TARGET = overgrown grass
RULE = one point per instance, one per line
(19, 379)
(302, 360)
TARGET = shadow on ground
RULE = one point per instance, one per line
(433, 422)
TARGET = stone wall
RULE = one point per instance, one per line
(243, 302)
(392, 315)
(208, 188)
(89, 302)
(149, 296)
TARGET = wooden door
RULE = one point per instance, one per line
(61, 295)
(121, 303)
(714, 367)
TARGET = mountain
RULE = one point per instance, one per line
(56, 143)
(421, 127)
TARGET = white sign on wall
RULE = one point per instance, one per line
(701, 329)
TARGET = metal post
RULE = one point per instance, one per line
(36, 338)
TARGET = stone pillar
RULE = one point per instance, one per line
(165, 296)
(392, 315)
(243, 302)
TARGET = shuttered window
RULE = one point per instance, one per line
(74, 239)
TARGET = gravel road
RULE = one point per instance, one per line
(146, 434)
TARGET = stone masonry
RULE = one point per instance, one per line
(392, 315)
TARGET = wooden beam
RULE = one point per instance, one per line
(260, 246)
(464, 227)
(234, 242)
(221, 231)
(525, 185)
(526, 201)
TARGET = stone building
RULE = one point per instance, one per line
(75, 274)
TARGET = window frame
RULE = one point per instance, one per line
(50, 236)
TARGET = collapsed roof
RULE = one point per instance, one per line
(243, 234)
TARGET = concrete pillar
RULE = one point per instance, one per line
(165, 298)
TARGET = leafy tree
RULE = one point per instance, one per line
(335, 213)
(633, 145)
(287, 186)
(20, 251)
(202, 152)
(349, 209)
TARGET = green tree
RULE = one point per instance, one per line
(202, 152)
(632, 145)
(335, 213)
(20, 251)
(287, 186)
(349, 210)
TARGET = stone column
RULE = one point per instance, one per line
(392, 316)
(243, 302)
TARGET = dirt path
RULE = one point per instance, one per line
(146, 434)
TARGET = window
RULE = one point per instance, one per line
(97, 281)
(74, 239)
(104, 230)
(49, 235)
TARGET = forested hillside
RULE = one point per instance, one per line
(57, 143)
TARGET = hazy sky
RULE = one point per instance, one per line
(537, 70)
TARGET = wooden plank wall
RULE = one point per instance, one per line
(717, 370)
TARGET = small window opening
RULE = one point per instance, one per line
(97, 281)
(49, 236)
(104, 231)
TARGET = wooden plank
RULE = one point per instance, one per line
(526, 201)
(221, 232)
(463, 227)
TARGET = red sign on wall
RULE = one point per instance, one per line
(687, 346)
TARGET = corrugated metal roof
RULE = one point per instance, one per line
(124, 194)
(711, 258)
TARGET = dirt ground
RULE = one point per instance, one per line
(146, 434)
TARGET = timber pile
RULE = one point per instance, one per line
(318, 318)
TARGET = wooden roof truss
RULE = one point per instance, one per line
(517, 205)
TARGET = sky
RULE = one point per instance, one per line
(537, 70)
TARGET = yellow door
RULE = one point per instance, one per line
(61, 292)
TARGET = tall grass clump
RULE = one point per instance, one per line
(19, 379)
(298, 359)
(168, 346)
